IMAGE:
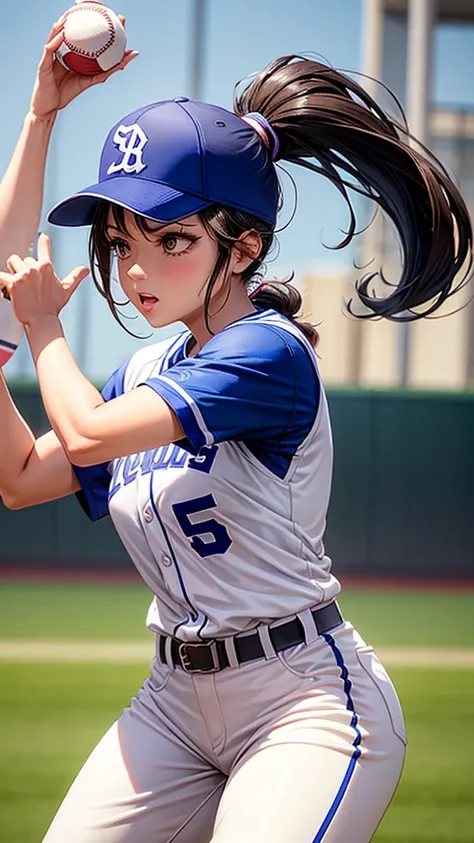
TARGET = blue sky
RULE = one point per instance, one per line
(240, 38)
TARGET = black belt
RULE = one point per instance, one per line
(211, 656)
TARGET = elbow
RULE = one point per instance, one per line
(12, 501)
(82, 452)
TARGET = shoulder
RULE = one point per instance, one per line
(266, 339)
(268, 332)
(144, 363)
(152, 360)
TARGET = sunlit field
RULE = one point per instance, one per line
(52, 712)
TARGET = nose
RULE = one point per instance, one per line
(136, 273)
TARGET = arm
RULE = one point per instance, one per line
(274, 386)
(91, 430)
(31, 470)
(21, 189)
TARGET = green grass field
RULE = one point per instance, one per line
(51, 714)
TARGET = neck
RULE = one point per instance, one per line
(220, 315)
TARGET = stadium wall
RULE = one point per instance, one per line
(402, 501)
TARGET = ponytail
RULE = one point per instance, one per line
(286, 299)
(321, 114)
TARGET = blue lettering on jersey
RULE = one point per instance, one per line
(205, 459)
(130, 469)
(127, 469)
(162, 458)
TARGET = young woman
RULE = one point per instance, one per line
(265, 716)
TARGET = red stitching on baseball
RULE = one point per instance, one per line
(87, 53)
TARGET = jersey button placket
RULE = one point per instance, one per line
(166, 560)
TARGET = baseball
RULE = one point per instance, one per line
(94, 39)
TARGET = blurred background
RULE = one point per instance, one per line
(423, 51)
(73, 647)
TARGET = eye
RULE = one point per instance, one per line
(175, 243)
(120, 248)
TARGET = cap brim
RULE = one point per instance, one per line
(149, 199)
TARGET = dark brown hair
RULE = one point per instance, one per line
(225, 225)
(322, 114)
(326, 122)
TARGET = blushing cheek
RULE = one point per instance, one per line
(192, 265)
(193, 271)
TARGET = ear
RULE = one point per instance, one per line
(245, 251)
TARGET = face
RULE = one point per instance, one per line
(165, 273)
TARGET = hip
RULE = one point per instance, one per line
(333, 688)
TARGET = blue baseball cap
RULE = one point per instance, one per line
(173, 158)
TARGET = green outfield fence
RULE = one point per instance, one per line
(402, 501)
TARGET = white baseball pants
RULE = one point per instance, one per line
(305, 747)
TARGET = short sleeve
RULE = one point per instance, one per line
(95, 479)
(252, 382)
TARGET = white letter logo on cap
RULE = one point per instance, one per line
(130, 140)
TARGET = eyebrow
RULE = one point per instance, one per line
(110, 227)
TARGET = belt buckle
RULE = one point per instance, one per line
(186, 661)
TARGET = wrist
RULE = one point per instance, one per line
(42, 121)
(41, 322)
(42, 333)
(42, 330)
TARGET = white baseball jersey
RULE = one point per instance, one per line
(226, 526)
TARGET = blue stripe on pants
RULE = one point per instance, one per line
(355, 743)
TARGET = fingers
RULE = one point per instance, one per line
(54, 43)
(102, 77)
(6, 283)
(55, 39)
(57, 27)
(44, 249)
(129, 56)
(47, 60)
(15, 264)
(19, 270)
(72, 281)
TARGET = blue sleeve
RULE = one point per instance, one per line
(95, 479)
(251, 382)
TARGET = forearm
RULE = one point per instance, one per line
(21, 189)
(93, 431)
(68, 397)
(16, 442)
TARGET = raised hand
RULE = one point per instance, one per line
(34, 288)
(55, 87)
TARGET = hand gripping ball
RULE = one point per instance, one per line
(94, 39)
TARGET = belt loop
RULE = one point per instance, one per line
(266, 641)
(309, 625)
(229, 644)
(168, 655)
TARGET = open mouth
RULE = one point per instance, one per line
(147, 301)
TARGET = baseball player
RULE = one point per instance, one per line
(265, 716)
